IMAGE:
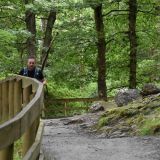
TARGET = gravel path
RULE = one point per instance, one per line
(67, 142)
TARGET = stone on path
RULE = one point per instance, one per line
(96, 107)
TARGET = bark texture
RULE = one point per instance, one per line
(101, 46)
(48, 37)
(133, 43)
(31, 27)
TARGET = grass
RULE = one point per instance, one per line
(102, 122)
(150, 127)
(18, 150)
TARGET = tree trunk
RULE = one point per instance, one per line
(31, 27)
(48, 37)
(101, 46)
(133, 42)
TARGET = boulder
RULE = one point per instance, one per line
(124, 96)
(96, 108)
(149, 89)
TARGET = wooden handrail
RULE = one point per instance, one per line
(63, 100)
(26, 107)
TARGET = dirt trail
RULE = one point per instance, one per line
(65, 140)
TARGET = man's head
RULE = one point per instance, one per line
(31, 63)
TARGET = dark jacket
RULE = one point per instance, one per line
(35, 73)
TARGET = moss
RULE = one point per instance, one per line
(150, 127)
(142, 118)
(18, 150)
(102, 122)
(139, 119)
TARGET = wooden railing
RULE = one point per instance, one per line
(21, 101)
(66, 101)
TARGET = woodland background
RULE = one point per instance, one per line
(86, 48)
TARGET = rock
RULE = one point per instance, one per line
(124, 96)
(96, 107)
(125, 129)
(149, 89)
(102, 135)
(73, 121)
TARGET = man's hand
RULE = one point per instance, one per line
(44, 82)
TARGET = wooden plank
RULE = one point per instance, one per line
(65, 109)
(9, 132)
(26, 95)
(17, 96)
(30, 81)
(34, 151)
(63, 100)
(5, 104)
(7, 153)
(32, 112)
(28, 139)
(29, 136)
(11, 98)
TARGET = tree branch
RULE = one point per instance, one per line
(48, 40)
(115, 10)
(148, 12)
(113, 36)
(46, 55)
(12, 17)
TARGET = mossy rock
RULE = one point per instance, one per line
(140, 118)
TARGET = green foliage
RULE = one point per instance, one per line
(72, 65)
(73, 61)
(8, 53)
(57, 109)
(18, 150)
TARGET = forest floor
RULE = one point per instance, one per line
(108, 135)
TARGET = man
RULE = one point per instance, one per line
(32, 71)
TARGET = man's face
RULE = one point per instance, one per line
(31, 63)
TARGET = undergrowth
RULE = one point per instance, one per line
(18, 150)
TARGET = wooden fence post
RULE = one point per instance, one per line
(11, 98)
(7, 153)
(26, 95)
(29, 136)
(17, 96)
(5, 104)
(65, 109)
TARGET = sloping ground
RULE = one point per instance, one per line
(109, 135)
(138, 118)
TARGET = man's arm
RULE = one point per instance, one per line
(42, 79)
(21, 72)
